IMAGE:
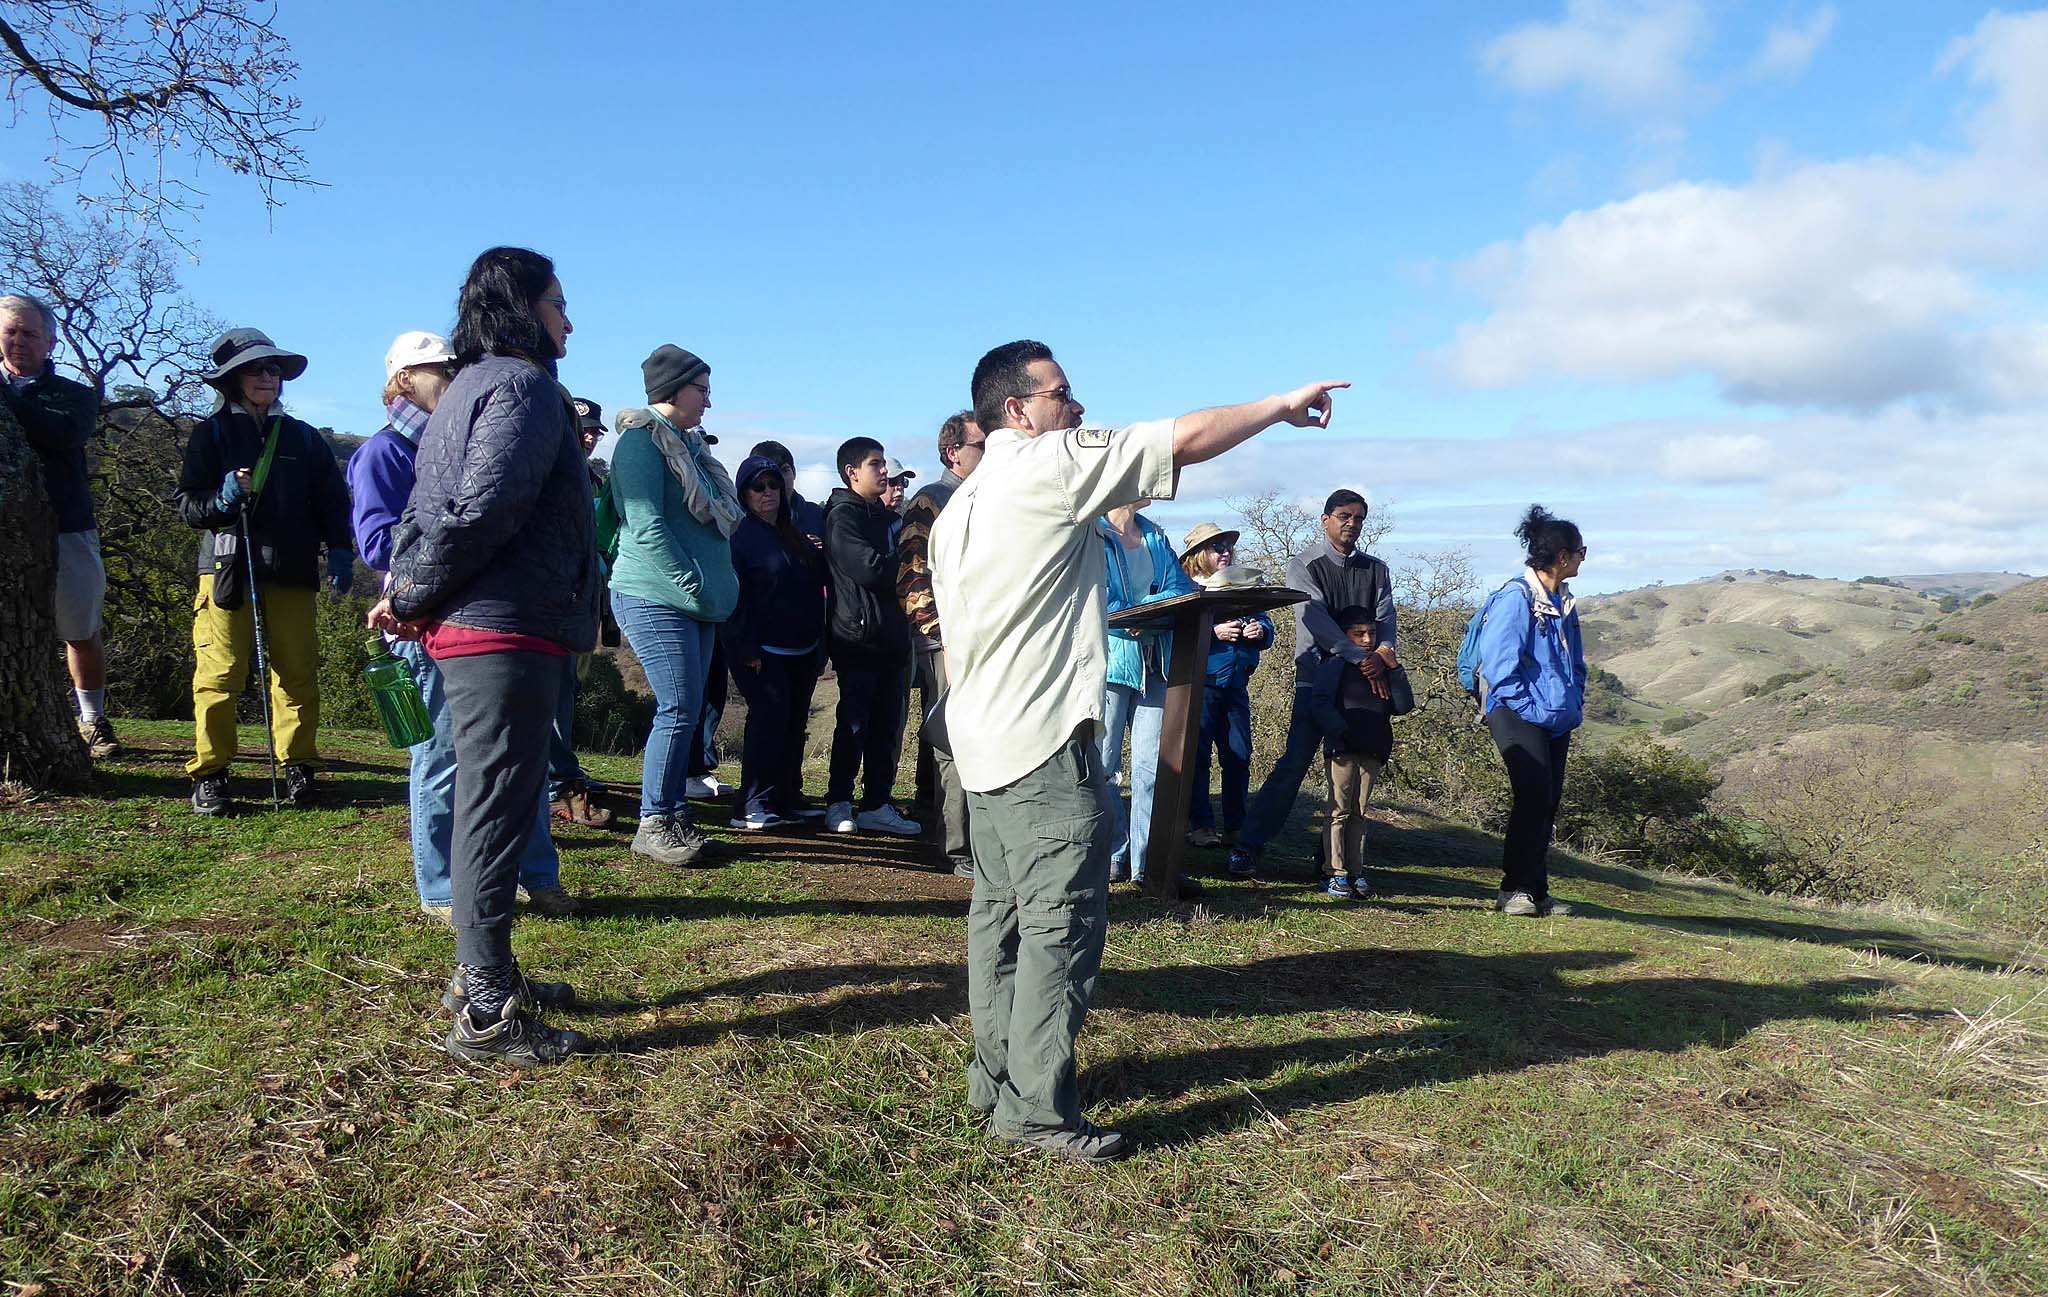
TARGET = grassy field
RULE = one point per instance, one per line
(218, 1073)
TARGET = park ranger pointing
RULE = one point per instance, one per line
(1018, 576)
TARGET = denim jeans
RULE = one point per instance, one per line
(563, 767)
(867, 734)
(674, 649)
(704, 759)
(431, 786)
(1143, 714)
(1226, 727)
(1268, 813)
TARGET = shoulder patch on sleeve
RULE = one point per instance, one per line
(1092, 438)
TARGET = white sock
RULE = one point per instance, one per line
(92, 704)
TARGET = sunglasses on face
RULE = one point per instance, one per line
(265, 368)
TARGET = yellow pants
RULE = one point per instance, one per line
(224, 649)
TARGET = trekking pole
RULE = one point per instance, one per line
(262, 655)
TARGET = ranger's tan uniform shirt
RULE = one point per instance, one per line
(1017, 571)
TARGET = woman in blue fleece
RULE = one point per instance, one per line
(1142, 566)
(1532, 668)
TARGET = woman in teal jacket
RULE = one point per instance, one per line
(1532, 661)
(673, 581)
(1142, 566)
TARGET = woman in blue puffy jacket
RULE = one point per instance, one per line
(1142, 566)
(1206, 554)
(1532, 668)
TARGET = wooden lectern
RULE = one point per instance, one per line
(1190, 617)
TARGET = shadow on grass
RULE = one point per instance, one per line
(732, 907)
(1480, 1015)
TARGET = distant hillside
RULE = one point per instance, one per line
(1962, 585)
(1978, 674)
(1697, 647)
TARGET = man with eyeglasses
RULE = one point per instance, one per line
(938, 784)
(1019, 578)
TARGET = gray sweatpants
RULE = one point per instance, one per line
(1034, 936)
(501, 709)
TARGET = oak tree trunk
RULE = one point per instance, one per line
(39, 743)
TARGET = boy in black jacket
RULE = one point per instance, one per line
(1358, 738)
(870, 642)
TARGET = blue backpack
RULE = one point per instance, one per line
(1469, 678)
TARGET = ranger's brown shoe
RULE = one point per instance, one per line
(99, 738)
(575, 806)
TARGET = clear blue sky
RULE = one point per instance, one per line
(1755, 285)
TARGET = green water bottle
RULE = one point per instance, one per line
(397, 697)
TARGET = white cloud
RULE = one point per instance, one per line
(1623, 56)
(1787, 50)
(1847, 284)
(1726, 457)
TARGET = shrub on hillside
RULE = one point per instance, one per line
(609, 716)
(1907, 681)
(1840, 824)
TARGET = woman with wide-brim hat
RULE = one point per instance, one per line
(1208, 555)
(255, 477)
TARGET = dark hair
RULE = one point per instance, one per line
(1546, 536)
(774, 450)
(798, 544)
(1342, 496)
(852, 451)
(495, 311)
(1002, 374)
(1356, 615)
(953, 435)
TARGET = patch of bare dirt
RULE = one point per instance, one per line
(1965, 1201)
(105, 936)
(868, 875)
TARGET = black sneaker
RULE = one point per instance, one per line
(298, 785)
(210, 793)
(518, 1037)
(1243, 862)
(541, 995)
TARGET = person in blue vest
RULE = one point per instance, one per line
(1142, 566)
(1206, 554)
(1532, 665)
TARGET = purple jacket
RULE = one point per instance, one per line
(380, 476)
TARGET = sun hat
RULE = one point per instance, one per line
(417, 347)
(1202, 534)
(239, 347)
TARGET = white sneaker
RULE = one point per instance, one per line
(706, 789)
(887, 819)
(839, 818)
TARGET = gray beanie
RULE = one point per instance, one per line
(668, 369)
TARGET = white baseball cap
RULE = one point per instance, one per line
(416, 348)
(893, 469)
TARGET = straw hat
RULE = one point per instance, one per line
(1203, 534)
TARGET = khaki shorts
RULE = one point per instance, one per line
(81, 585)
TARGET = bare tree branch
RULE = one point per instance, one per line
(208, 79)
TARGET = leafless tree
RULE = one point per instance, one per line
(123, 322)
(130, 85)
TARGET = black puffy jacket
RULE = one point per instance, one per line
(304, 501)
(867, 624)
(499, 533)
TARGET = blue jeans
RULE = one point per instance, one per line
(564, 769)
(1268, 814)
(431, 786)
(674, 649)
(1143, 714)
(1227, 727)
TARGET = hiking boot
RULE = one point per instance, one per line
(1520, 904)
(210, 793)
(298, 785)
(839, 818)
(518, 1037)
(887, 819)
(1119, 873)
(1552, 908)
(1205, 838)
(760, 821)
(1243, 862)
(99, 739)
(706, 788)
(541, 995)
(575, 806)
(554, 902)
(670, 840)
(1341, 888)
(440, 910)
(1086, 1142)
